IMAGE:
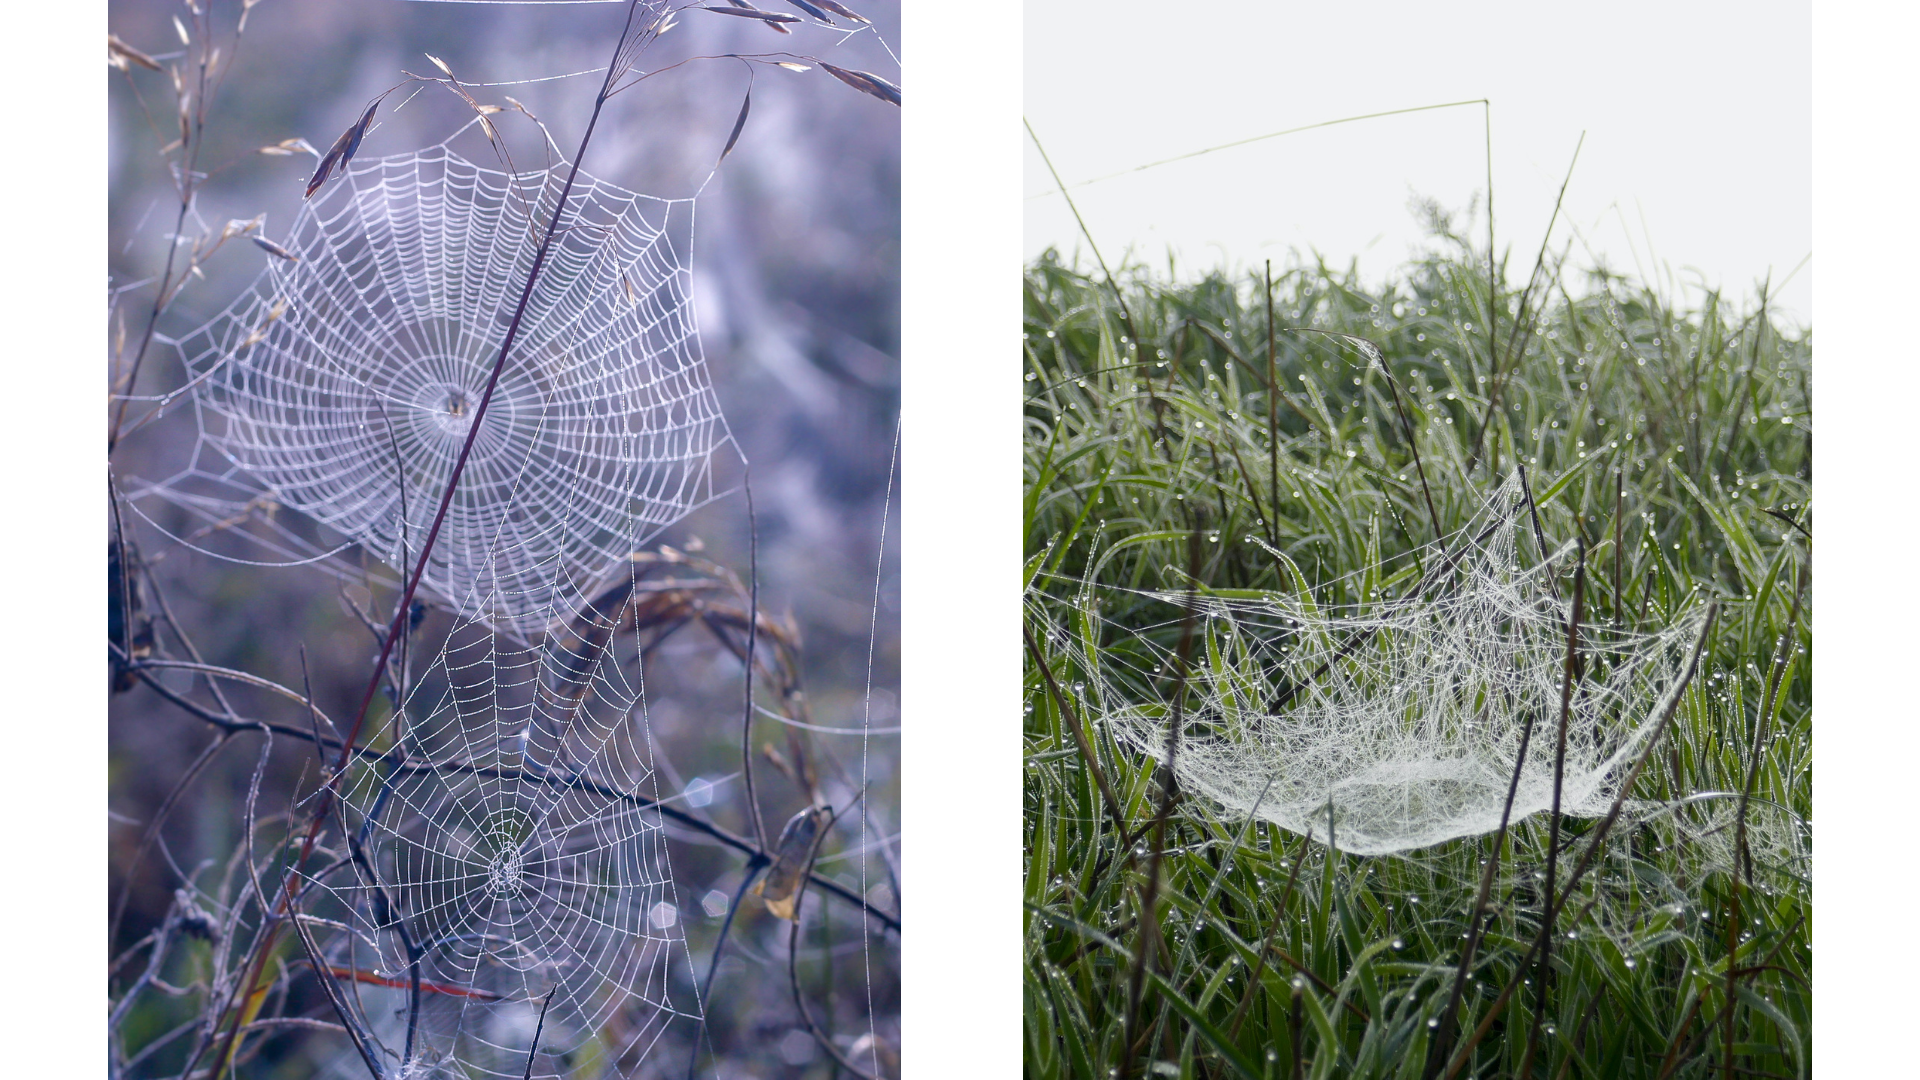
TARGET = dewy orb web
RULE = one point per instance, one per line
(1396, 725)
(506, 845)
(345, 383)
(456, 855)
(511, 846)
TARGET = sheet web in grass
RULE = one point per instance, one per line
(344, 384)
(1395, 723)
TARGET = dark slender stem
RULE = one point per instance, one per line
(1071, 719)
(189, 153)
(1125, 314)
(1598, 835)
(486, 397)
(1273, 931)
(753, 627)
(534, 1048)
(1674, 1045)
(1678, 1054)
(1539, 535)
(159, 299)
(1253, 493)
(1726, 1010)
(1413, 446)
(1580, 1033)
(1498, 371)
(1273, 411)
(1296, 1033)
(1478, 918)
(800, 1001)
(754, 867)
(229, 722)
(1543, 969)
(325, 807)
(1149, 936)
(1619, 601)
(1795, 524)
(400, 482)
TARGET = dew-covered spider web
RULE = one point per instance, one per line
(1395, 723)
(507, 848)
(498, 860)
(343, 385)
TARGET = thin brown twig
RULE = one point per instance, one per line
(1273, 931)
(1515, 340)
(1149, 938)
(753, 636)
(1273, 409)
(1478, 918)
(793, 977)
(1543, 969)
(1678, 1053)
(1539, 535)
(1598, 834)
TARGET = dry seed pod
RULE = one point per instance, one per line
(738, 123)
(128, 622)
(812, 10)
(866, 82)
(275, 250)
(119, 53)
(792, 858)
(343, 149)
(771, 18)
(844, 12)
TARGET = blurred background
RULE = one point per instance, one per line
(796, 282)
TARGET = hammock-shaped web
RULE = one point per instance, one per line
(344, 384)
(1396, 724)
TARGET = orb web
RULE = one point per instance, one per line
(507, 850)
(1395, 724)
(500, 842)
(346, 382)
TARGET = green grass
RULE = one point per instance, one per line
(1151, 431)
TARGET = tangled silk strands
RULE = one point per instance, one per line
(344, 384)
(1402, 716)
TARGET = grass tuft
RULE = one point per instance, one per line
(1178, 437)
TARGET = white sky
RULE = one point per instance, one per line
(1698, 121)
